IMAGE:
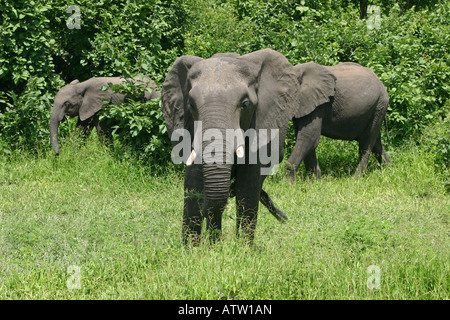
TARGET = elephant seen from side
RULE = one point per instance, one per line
(203, 100)
(356, 110)
(85, 99)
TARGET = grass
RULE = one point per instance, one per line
(119, 224)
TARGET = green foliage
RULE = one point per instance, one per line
(411, 57)
(26, 74)
(409, 52)
(24, 121)
(436, 140)
(120, 38)
(214, 27)
(139, 126)
(26, 45)
(115, 38)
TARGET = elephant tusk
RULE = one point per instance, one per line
(240, 151)
(191, 158)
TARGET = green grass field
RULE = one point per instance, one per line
(87, 225)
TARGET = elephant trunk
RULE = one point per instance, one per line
(216, 192)
(217, 165)
(54, 124)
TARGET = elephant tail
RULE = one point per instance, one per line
(386, 129)
(268, 203)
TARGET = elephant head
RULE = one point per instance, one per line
(257, 91)
(85, 99)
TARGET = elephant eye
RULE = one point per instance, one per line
(245, 104)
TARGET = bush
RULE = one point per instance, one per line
(409, 52)
(413, 47)
(116, 38)
(436, 140)
(214, 27)
(138, 126)
(119, 38)
(24, 121)
(26, 47)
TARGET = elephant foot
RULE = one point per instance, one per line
(387, 160)
(289, 172)
(358, 173)
(290, 178)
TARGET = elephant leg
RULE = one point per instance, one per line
(193, 199)
(365, 148)
(248, 190)
(312, 165)
(379, 151)
(363, 160)
(366, 145)
(104, 132)
(307, 140)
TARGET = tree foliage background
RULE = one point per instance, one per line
(39, 53)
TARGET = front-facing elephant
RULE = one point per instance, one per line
(355, 112)
(85, 99)
(208, 98)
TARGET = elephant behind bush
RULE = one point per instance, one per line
(85, 99)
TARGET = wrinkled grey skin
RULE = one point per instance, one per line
(85, 99)
(259, 90)
(355, 112)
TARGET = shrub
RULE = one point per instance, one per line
(119, 38)
(139, 126)
(409, 52)
(26, 47)
(214, 27)
(37, 49)
(436, 140)
(24, 121)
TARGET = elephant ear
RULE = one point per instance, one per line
(278, 92)
(174, 95)
(317, 86)
(94, 97)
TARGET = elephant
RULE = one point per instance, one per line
(85, 99)
(257, 91)
(355, 111)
